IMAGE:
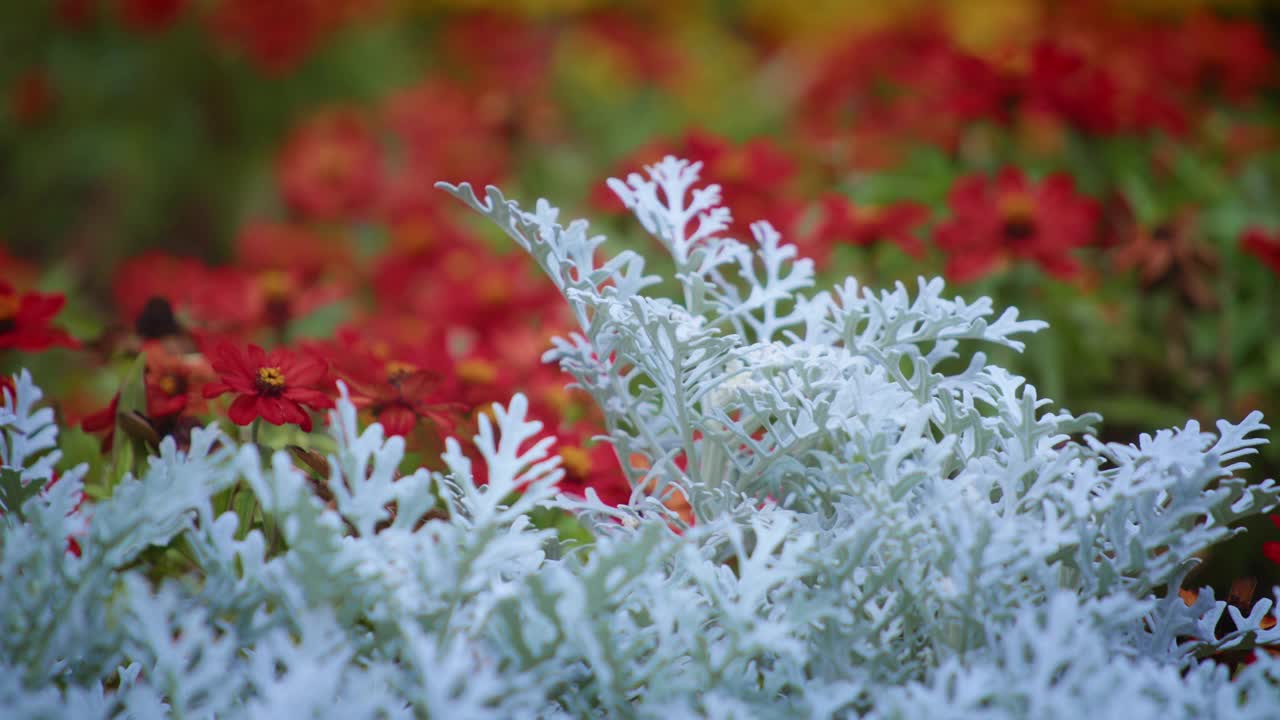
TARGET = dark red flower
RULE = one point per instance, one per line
(755, 177)
(844, 223)
(631, 46)
(1062, 83)
(1271, 548)
(279, 387)
(331, 167)
(103, 421)
(417, 222)
(150, 15)
(24, 320)
(76, 14)
(447, 131)
(1012, 217)
(173, 381)
(32, 98)
(1265, 247)
(593, 464)
(291, 247)
(910, 81)
(1173, 253)
(143, 279)
(398, 393)
(279, 34)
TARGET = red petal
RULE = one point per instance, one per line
(304, 369)
(245, 409)
(398, 420)
(213, 390)
(1271, 551)
(39, 309)
(308, 396)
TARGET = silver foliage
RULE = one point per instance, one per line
(887, 526)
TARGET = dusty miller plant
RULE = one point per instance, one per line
(886, 526)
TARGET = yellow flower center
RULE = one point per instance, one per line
(1016, 206)
(576, 461)
(493, 289)
(397, 370)
(270, 378)
(732, 165)
(275, 284)
(478, 372)
(168, 384)
(331, 161)
(1018, 212)
(868, 213)
(413, 235)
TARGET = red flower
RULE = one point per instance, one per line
(754, 176)
(331, 167)
(593, 464)
(76, 14)
(24, 320)
(417, 222)
(447, 132)
(844, 223)
(1012, 218)
(1062, 83)
(279, 34)
(1266, 248)
(7, 390)
(103, 421)
(150, 15)
(278, 387)
(32, 98)
(172, 380)
(1271, 548)
(283, 246)
(398, 393)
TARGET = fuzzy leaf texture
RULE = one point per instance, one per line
(884, 526)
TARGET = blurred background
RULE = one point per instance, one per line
(265, 169)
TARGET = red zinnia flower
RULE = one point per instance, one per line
(32, 98)
(278, 387)
(150, 15)
(844, 223)
(275, 35)
(172, 379)
(476, 150)
(24, 320)
(756, 177)
(293, 248)
(398, 393)
(1271, 548)
(76, 14)
(1265, 248)
(103, 421)
(593, 464)
(331, 167)
(1011, 217)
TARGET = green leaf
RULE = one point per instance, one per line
(14, 493)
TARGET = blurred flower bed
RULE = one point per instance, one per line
(212, 209)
